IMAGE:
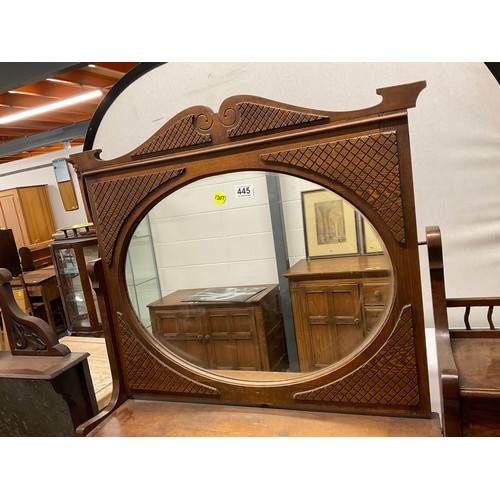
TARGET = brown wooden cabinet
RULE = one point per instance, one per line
(223, 335)
(336, 303)
(28, 212)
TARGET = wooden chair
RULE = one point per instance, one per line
(468, 357)
(36, 256)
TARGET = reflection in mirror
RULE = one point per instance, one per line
(65, 184)
(258, 276)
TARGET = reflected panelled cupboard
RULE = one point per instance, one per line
(357, 326)
(223, 335)
(337, 302)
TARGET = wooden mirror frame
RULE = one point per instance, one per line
(362, 155)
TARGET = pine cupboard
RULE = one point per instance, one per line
(28, 212)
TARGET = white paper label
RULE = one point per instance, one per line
(243, 190)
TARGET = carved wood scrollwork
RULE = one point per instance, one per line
(27, 334)
(254, 118)
(181, 134)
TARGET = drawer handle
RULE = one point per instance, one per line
(357, 321)
(378, 295)
(207, 337)
(200, 337)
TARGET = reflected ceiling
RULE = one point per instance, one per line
(24, 86)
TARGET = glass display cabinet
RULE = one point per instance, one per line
(70, 258)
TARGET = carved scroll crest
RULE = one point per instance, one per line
(187, 131)
(245, 118)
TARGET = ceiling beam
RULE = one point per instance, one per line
(41, 139)
(19, 74)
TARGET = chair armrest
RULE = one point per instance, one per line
(449, 385)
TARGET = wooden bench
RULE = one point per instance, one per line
(468, 357)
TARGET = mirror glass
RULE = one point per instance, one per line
(258, 276)
(65, 184)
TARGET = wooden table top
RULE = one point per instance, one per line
(180, 297)
(359, 266)
(37, 367)
(150, 418)
(32, 278)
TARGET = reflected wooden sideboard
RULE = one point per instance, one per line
(336, 303)
(225, 335)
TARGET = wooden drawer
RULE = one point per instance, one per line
(376, 294)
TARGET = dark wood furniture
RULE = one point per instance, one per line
(9, 257)
(39, 286)
(70, 257)
(336, 303)
(35, 256)
(468, 357)
(45, 396)
(223, 335)
(364, 156)
(45, 389)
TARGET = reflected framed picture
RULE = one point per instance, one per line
(330, 225)
(371, 241)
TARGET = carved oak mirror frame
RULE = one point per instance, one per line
(363, 155)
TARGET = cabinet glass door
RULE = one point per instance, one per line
(72, 286)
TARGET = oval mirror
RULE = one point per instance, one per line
(258, 276)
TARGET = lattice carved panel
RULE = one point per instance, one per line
(366, 165)
(146, 373)
(253, 118)
(113, 208)
(390, 378)
(181, 134)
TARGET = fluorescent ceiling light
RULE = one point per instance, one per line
(50, 107)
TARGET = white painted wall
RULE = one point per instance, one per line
(200, 243)
(38, 170)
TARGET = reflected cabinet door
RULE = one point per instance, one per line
(330, 324)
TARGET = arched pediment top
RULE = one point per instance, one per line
(244, 117)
